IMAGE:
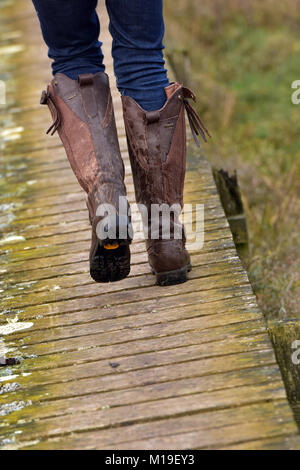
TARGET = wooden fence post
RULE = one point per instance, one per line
(285, 335)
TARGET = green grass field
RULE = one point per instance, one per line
(242, 57)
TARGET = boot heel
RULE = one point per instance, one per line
(170, 278)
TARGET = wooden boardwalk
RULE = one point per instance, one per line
(127, 365)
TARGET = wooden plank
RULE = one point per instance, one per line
(202, 439)
(72, 267)
(217, 288)
(159, 381)
(144, 393)
(89, 290)
(139, 314)
(98, 351)
(210, 375)
(23, 225)
(51, 255)
(276, 443)
(158, 358)
(65, 232)
(18, 285)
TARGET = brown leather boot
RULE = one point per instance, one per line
(83, 115)
(157, 149)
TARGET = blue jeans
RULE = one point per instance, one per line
(71, 30)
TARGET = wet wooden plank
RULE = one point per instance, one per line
(225, 286)
(126, 365)
(71, 267)
(208, 371)
(100, 336)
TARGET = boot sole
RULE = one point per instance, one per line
(111, 265)
(170, 278)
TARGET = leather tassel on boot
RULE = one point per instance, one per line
(157, 150)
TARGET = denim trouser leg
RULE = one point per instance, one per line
(71, 29)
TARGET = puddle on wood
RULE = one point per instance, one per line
(19, 166)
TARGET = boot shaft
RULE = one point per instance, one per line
(157, 148)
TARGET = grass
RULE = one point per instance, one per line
(241, 58)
